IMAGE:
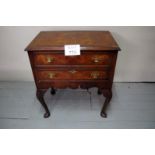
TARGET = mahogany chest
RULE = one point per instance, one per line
(94, 67)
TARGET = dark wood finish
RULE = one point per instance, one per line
(107, 93)
(93, 68)
(88, 40)
(60, 59)
(71, 74)
(84, 84)
(40, 95)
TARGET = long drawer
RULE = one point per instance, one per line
(43, 75)
(42, 59)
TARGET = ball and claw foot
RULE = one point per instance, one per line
(103, 114)
(46, 115)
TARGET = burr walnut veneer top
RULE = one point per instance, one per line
(88, 40)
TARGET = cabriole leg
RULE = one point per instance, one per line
(40, 95)
(108, 94)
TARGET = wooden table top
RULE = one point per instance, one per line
(88, 40)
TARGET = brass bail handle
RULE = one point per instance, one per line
(95, 75)
(72, 71)
(96, 59)
(50, 59)
(51, 75)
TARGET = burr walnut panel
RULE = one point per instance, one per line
(71, 75)
(60, 59)
(88, 40)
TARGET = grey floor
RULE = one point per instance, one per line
(132, 106)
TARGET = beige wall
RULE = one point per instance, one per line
(136, 61)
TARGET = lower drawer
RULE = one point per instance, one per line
(71, 75)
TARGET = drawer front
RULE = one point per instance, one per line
(60, 59)
(72, 75)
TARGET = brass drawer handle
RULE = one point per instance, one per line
(95, 75)
(51, 75)
(96, 59)
(73, 71)
(50, 59)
